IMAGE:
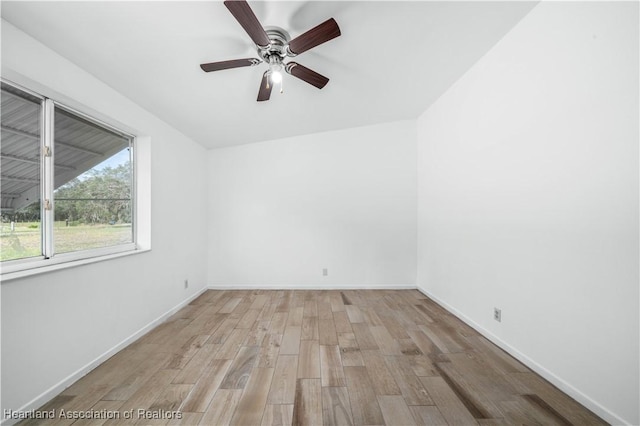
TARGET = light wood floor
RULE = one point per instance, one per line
(317, 358)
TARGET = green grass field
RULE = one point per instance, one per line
(24, 240)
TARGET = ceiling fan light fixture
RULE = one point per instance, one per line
(276, 77)
(274, 45)
(275, 70)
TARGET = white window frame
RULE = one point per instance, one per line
(49, 260)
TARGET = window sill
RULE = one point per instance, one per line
(61, 263)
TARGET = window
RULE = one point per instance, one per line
(66, 183)
(20, 186)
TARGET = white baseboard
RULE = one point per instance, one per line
(50, 393)
(312, 287)
(561, 384)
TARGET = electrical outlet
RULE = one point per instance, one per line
(497, 314)
(186, 283)
(325, 271)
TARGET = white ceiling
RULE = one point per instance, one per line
(393, 60)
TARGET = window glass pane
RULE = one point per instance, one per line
(20, 234)
(93, 181)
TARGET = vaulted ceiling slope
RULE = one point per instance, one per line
(392, 61)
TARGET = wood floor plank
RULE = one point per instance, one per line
(128, 386)
(204, 390)
(99, 407)
(230, 305)
(254, 398)
(240, 369)
(499, 358)
(423, 342)
(345, 298)
(221, 408)
(364, 404)
(387, 344)
(381, 377)
(291, 341)
(165, 331)
(241, 309)
(129, 359)
(365, 339)
(408, 347)
(186, 419)
(171, 398)
(310, 308)
(324, 311)
(211, 323)
(422, 365)
(395, 410)
(479, 396)
(259, 302)
(557, 400)
(445, 337)
(309, 360)
(337, 303)
(268, 311)
(144, 397)
(331, 369)
(232, 345)
(310, 328)
(341, 322)
(248, 318)
(223, 331)
(278, 415)
(257, 333)
(349, 350)
(354, 314)
(191, 373)
(370, 316)
(521, 411)
(307, 408)
(391, 323)
(283, 385)
(284, 302)
(410, 386)
(427, 415)
(336, 408)
(294, 319)
(183, 355)
(452, 409)
(299, 296)
(278, 322)
(327, 332)
(269, 351)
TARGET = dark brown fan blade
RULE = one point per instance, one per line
(322, 33)
(305, 74)
(241, 10)
(234, 63)
(265, 88)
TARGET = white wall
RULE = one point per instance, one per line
(528, 199)
(281, 211)
(55, 324)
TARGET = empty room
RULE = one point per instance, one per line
(320, 213)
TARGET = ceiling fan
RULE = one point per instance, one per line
(274, 45)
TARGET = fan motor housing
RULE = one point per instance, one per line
(279, 41)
